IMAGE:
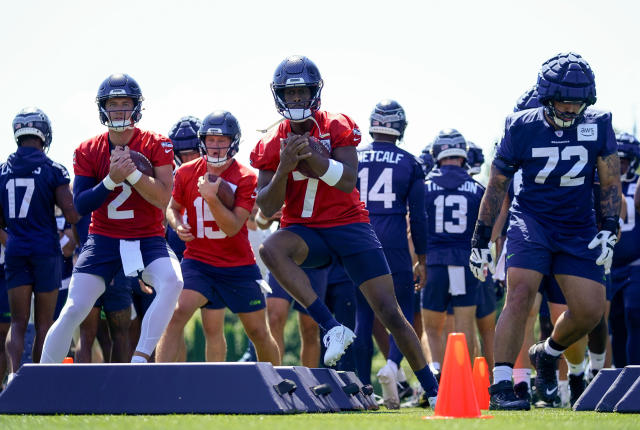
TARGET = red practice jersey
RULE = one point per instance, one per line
(311, 201)
(125, 214)
(211, 245)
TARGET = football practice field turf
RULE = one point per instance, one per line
(556, 419)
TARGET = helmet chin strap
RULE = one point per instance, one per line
(216, 163)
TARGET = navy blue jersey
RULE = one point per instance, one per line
(452, 199)
(558, 166)
(28, 181)
(389, 180)
(628, 247)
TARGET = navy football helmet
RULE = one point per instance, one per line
(629, 148)
(297, 71)
(475, 158)
(184, 136)
(426, 160)
(529, 100)
(388, 117)
(32, 121)
(568, 78)
(220, 123)
(448, 143)
(119, 85)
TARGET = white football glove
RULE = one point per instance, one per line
(482, 252)
(606, 240)
(480, 260)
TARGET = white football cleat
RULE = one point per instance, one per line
(389, 383)
(337, 340)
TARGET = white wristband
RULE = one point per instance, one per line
(64, 241)
(333, 173)
(134, 177)
(260, 219)
(108, 183)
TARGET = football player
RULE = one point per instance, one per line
(558, 146)
(452, 199)
(625, 291)
(389, 180)
(126, 230)
(219, 267)
(323, 217)
(5, 312)
(32, 185)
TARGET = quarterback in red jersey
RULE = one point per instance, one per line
(126, 230)
(219, 267)
(324, 218)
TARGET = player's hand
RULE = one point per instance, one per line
(606, 240)
(293, 148)
(482, 257)
(419, 275)
(144, 287)
(184, 232)
(208, 190)
(121, 164)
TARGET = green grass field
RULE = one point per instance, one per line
(558, 419)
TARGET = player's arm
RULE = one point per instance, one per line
(229, 221)
(418, 230)
(64, 200)
(156, 190)
(67, 242)
(89, 194)
(610, 187)
(174, 218)
(493, 197)
(3, 237)
(263, 222)
(272, 185)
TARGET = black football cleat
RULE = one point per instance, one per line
(503, 398)
(577, 384)
(546, 380)
(522, 391)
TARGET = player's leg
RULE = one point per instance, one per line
(309, 340)
(363, 343)
(522, 365)
(435, 300)
(380, 334)
(586, 304)
(117, 310)
(20, 305)
(277, 313)
(213, 327)
(162, 272)
(258, 331)
(190, 300)
(463, 287)
(88, 332)
(486, 320)
(403, 287)
(84, 290)
(295, 245)
(341, 301)
(617, 325)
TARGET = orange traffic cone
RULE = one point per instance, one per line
(67, 360)
(456, 394)
(481, 381)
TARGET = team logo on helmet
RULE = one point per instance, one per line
(34, 122)
(388, 117)
(448, 143)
